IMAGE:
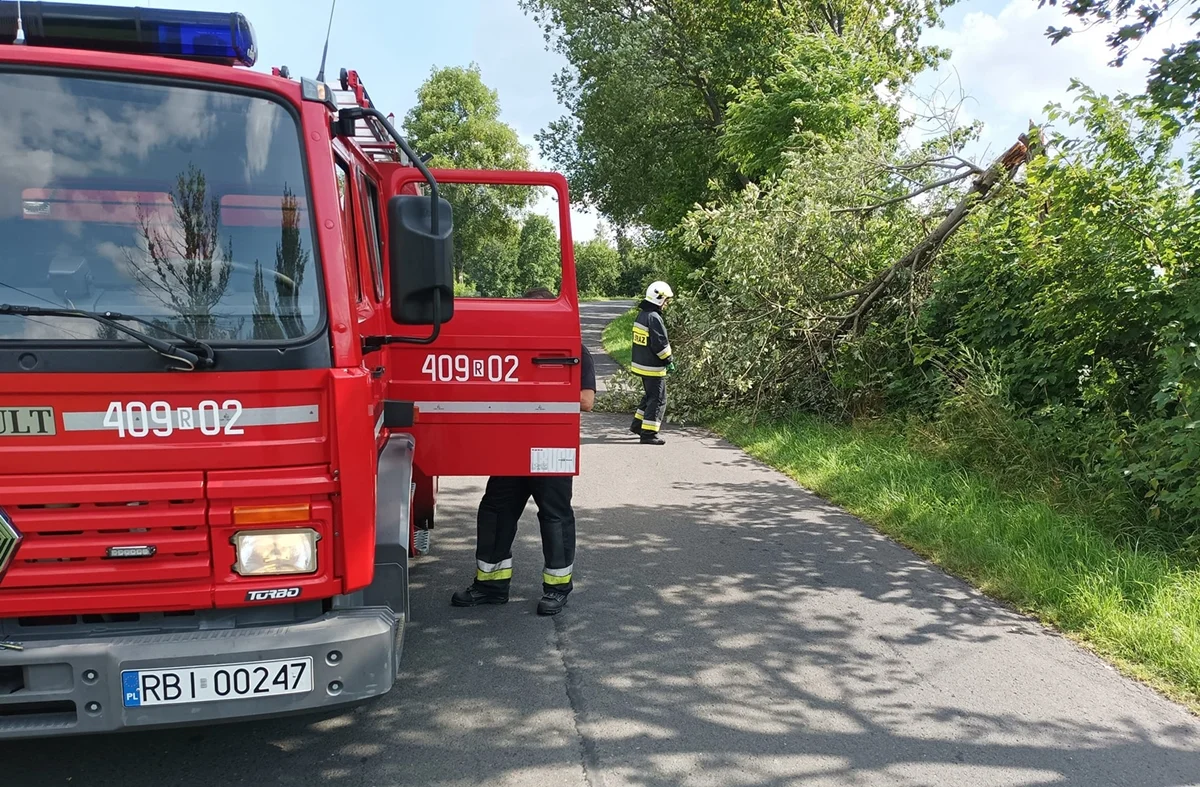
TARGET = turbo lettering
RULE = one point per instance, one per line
(274, 594)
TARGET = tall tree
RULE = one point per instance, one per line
(457, 121)
(597, 267)
(650, 84)
(539, 257)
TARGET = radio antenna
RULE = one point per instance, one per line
(325, 53)
(20, 39)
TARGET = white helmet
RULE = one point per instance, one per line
(658, 292)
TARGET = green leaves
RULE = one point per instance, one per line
(539, 259)
(1174, 83)
(673, 103)
(822, 88)
(597, 268)
(457, 120)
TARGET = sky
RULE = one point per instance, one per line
(1003, 70)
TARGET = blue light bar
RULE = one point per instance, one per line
(195, 35)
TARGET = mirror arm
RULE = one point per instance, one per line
(372, 343)
(358, 113)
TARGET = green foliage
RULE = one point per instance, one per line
(1163, 453)
(749, 322)
(1070, 297)
(1136, 605)
(618, 338)
(494, 268)
(650, 83)
(1081, 284)
(539, 256)
(597, 267)
(1174, 83)
(457, 120)
(636, 268)
(821, 88)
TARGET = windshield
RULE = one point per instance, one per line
(182, 206)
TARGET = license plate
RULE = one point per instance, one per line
(182, 685)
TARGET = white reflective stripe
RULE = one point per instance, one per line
(652, 369)
(641, 329)
(498, 407)
(488, 568)
(251, 416)
(666, 351)
(379, 425)
(559, 572)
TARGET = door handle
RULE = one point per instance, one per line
(377, 372)
(555, 361)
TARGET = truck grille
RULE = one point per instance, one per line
(68, 545)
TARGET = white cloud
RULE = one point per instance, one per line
(1008, 69)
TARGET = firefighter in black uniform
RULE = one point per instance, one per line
(501, 507)
(652, 360)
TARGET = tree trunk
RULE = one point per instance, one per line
(922, 255)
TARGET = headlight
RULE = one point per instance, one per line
(263, 553)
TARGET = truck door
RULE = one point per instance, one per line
(497, 393)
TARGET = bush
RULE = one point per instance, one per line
(1054, 337)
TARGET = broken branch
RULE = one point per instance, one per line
(922, 255)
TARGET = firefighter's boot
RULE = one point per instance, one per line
(636, 426)
(552, 602)
(474, 595)
(652, 438)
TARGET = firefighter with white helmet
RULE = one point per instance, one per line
(652, 360)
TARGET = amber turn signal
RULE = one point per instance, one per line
(272, 514)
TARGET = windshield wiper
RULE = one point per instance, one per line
(205, 358)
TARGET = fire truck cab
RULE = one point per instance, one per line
(232, 368)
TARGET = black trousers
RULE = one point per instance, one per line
(649, 416)
(496, 528)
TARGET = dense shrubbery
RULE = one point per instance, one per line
(1056, 331)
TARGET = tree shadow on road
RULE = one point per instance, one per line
(728, 629)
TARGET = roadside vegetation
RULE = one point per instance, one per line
(1135, 604)
(618, 338)
(1013, 524)
(996, 361)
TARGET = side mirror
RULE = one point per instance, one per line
(421, 261)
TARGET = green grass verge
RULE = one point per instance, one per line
(618, 338)
(1137, 607)
(1140, 609)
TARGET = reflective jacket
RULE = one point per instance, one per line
(651, 347)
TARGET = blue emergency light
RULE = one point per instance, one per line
(195, 35)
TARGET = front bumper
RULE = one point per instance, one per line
(73, 686)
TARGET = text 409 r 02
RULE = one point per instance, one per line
(138, 419)
(461, 368)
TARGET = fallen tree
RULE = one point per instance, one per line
(923, 254)
(848, 234)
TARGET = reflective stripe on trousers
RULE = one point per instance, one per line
(648, 371)
(499, 511)
(654, 404)
(491, 572)
(557, 576)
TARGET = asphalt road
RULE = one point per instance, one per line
(727, 629)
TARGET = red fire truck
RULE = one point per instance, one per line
(232, 367)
